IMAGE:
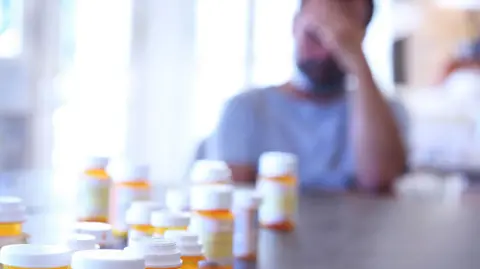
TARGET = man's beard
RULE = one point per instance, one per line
(319, 77)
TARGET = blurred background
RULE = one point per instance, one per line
(147, 79)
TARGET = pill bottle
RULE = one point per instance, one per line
(93, 191)
(177, 200)
(138, 219)
(12, 216)
(206, 172)
(277, 185)
(130, 185)
(189, 246)
(27, 256)
(106, 259)
(211, 212)
(164, 220)
(245, 237)
(78, 242)
(101, 231)
(159, 253)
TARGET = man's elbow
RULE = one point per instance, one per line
(243, 174)
(380, 179)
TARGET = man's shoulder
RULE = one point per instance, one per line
(251, 99)
(252, 95)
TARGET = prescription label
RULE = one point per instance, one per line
(93, 198)
(279, 202)
(246, 232)
(122, 198)
(216, 236)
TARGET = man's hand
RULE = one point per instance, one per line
(340, 28)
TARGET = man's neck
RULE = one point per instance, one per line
(303, 94)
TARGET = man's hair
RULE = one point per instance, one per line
(371, 8)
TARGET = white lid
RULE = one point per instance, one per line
(11, 209)
(158, 253)
(96, 163)
(132, 173)
(218, 197)
(210, 171)
(101, 231)
(274, 164)
(78, 242)
(140, 212)
(35, 256)
(246, 198)
(177, 200)
(165, 218)
(187, 242)
(106, 259)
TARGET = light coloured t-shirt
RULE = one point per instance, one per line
(270, 119)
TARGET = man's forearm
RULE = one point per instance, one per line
(379, 151)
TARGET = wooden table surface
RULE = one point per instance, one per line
(350, 231)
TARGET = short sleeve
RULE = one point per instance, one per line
(234, 140)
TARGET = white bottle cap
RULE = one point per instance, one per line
(35, 256)
(77, 242)
(246, 199)
(101, 231)
(11, 209)
(275, 164)
(132, 173)
(158, 253)
(177, 200)
(106, 259)
(140, 212)
(210, 171)
(96, 163)
(217, 197)
(165, 218)
(187, 242)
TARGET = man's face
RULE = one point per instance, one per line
(315, 63)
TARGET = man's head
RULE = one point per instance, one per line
(317, 71)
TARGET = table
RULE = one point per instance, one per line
(352, 231)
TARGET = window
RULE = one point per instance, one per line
(93, 83)
(11, 12)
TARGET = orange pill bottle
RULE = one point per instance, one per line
(138, 219)
(131, 184)
(208, 172)
(158, 253)
(277, 184)
(12, 216)
(245, 209)
(93, 191)
(27, 256)
(80, 242)
(101, 231)
(164, 220)
(189, 246)
(211, 210)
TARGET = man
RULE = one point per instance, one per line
(343, 139)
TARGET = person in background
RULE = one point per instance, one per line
(343, 139)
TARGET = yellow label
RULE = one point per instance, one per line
(216, 236)
(279, 202)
